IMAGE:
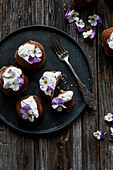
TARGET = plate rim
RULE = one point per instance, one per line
(47, 131)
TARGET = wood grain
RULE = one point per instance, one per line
(74, 147)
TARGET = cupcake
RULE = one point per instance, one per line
(29, 108)
(63, 102)
(30, 55)
(107, 41)
(12, 80)
(48, 83)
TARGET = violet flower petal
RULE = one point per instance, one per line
(51, 88)
(24, 109)
(67, 15)
(57, 101)
(92, 35)
(21, 81)
(33, 59)
(102, 136)
(99, 21)
(80, 29)
(111, 138)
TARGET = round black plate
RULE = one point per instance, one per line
(50, 121)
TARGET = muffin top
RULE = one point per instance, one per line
(58, 102)
(48, 81)
(12, 78)
(110, 41)
(29, 109)
(30, 53)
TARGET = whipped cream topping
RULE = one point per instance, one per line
(58, 103)
(110, 41)
(48, 81)
(30, 53)
(12, 79)
(32, 112)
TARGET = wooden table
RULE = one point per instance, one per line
(74, 147)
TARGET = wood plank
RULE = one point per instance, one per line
(105, 87)
(16, 149)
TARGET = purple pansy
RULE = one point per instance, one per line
(57, 101)
(92, 34)
(111, 138)
(99, 135)
(34, 59)
(24, 109)
(99, 22)
(51, 88)
(20, 81)
(67, 15)
(80, 29)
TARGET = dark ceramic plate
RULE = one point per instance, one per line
(50, 121)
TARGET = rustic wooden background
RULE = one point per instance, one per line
(74, 147)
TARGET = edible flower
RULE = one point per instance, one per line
(34, 59)
(16, 83)
(47, 85)
(109, 117)
(80, 25)
(99, 135)
(58, 104)
(27, 113)
(71, 15)
(95, 20)
(89, 34)
(111, 129)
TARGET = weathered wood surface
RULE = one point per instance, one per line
(74, 147)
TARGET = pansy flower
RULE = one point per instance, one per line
(109, 117)
(47, 85)
(80, 25)
(89, 34)
(27, 113)
(34, 57)
(95, 20)
(16, 83)
(99, 135)
(58, 104)
(71, 15)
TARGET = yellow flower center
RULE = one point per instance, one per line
(13, 83)
(92, 19)
(108, 118)
(73, 15)
(87, 35)
(45, 81)
(97, 133)
(34, 50)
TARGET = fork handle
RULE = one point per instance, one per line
(87, 96)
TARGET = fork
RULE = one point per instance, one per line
(63, 55)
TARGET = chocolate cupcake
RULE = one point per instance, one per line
(30, 55)
(107, 41)
(30, 108)
(48, 83)
(63, 102)
(12, 80)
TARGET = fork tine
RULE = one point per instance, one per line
(55, 46)
(59, 42)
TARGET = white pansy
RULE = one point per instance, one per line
(109, 117)
(111, 129)
(80, 23)
(87, 33)
(93, 19)
(97, 134)
(73, 16)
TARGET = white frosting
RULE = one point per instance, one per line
(110, 41)
(10, 78)
(67, 96)
(28, 49)
(30, 101)
(49, 79)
